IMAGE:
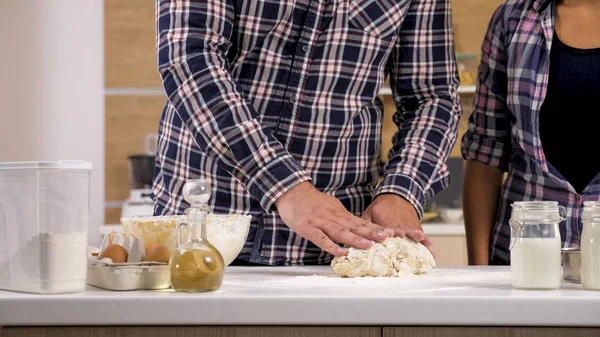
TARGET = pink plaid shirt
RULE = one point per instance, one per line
(503, 129)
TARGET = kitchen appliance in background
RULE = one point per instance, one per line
(448, 203)
(141, 174)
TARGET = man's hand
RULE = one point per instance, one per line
(393, 211)
(323, 220)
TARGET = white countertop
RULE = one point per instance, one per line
(310, 296)
(443, 229)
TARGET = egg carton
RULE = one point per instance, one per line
(134, 274)
(122, 277)
(127, 275)
(133, 245)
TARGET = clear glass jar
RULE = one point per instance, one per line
(590, 245)
(535, 244)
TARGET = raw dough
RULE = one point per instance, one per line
(392, 257)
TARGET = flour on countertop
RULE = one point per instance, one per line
(447, 275)
(437, 277)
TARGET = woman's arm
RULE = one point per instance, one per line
(481, 193)
(486, 146)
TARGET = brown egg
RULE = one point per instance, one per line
(148, 247)
(158, 253)
(116, 253)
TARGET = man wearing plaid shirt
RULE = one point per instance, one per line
(275, 103)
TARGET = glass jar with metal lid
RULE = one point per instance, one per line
(590, 245)
(535, 244)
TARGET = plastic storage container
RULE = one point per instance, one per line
(44, 216)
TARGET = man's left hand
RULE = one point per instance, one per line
(393, 211)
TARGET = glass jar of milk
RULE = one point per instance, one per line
(590, 246)
(535, 244)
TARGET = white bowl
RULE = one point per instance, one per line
(451, 215)
(227, 232)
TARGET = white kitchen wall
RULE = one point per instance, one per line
(52, 86)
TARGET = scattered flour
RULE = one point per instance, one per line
(324, 279)
(434, 275)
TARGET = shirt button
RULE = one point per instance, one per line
(305, 48)
(577, 198)
(293, 99)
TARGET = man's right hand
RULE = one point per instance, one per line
(324, 221)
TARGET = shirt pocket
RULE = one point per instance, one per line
(380, 18)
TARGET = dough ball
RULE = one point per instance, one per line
(394, 257)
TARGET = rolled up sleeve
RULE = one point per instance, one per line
(488, 137)
(193, 40)
(424, 80)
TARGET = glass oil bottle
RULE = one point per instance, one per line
(196, 265)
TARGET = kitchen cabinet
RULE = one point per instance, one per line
(450, 250)
(130, 44)
(259, 331)
(128, 119)
(488, 332)
(311, 331)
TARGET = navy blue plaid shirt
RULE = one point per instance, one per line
(266, 94)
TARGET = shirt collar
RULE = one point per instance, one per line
(541, 5)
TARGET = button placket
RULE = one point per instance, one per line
(295, 80)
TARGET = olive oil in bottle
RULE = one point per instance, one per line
(196, 265)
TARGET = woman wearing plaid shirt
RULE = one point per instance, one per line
(538, 85)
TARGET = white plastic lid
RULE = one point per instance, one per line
(60, 165)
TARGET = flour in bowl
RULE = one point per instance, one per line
(228, 233)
